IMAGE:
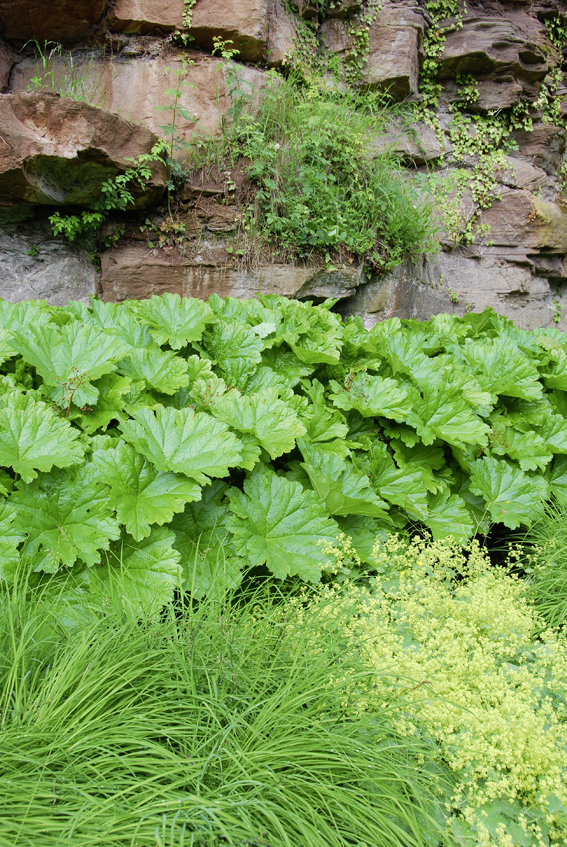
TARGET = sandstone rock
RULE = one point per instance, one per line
(498, 92)
(334, 34)
(520, 218)
(133, 89)
(142, 16)
(393, 61)
(416, 144)
(217, 218)
(281, 37)
(521, 174)
(133, 271)
(395, 46)
(7, 61)
(49, 20)
(344, 9)
(58, 272)
(244, 22)
(305, 9)
(515, 44)
(543, 146)
(422, 290)
(58, 151)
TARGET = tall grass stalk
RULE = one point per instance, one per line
(217, 726)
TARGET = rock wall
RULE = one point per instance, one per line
(120, 56)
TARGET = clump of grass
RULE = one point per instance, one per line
(548, 564)
(220, 725)
(321, 188)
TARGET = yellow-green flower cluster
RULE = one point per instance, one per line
(456, 640)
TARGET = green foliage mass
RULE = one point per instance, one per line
(477, 673)
(163, 442)
(321, 185)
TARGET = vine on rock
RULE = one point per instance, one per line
(479, 143)
(307, 57)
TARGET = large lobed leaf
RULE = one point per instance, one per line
(183, 441)
(65, 517)
(173, 320)
(139, 493)
(33, 438)
(276, 522)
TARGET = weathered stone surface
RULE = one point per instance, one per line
(416, 144)
(515, 44)
(217, 218)
(422, 290)
(134, 88)
(544, 146)
(522, 219)
(143, 16)
(392, 65)
(305, 9)
(58, 151)
(7, 61)
(344, 9)
(133, 271)
(281, 34)
(244, 22)
(57, 273)
(498, 92)
(521, 174)
(395, 44)
(49, 20)
(394, 48)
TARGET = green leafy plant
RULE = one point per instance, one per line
(176, 109)
(116, 194)
(324, 191)
(271, 426)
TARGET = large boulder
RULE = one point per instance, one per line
(522, 219)
(416, 144)
(543, 146)
(49, 20)
(394, 49)
(282, 35)
(431, 287)
(243, 22)
(58, 151)
(34, 265)
(139, 17)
